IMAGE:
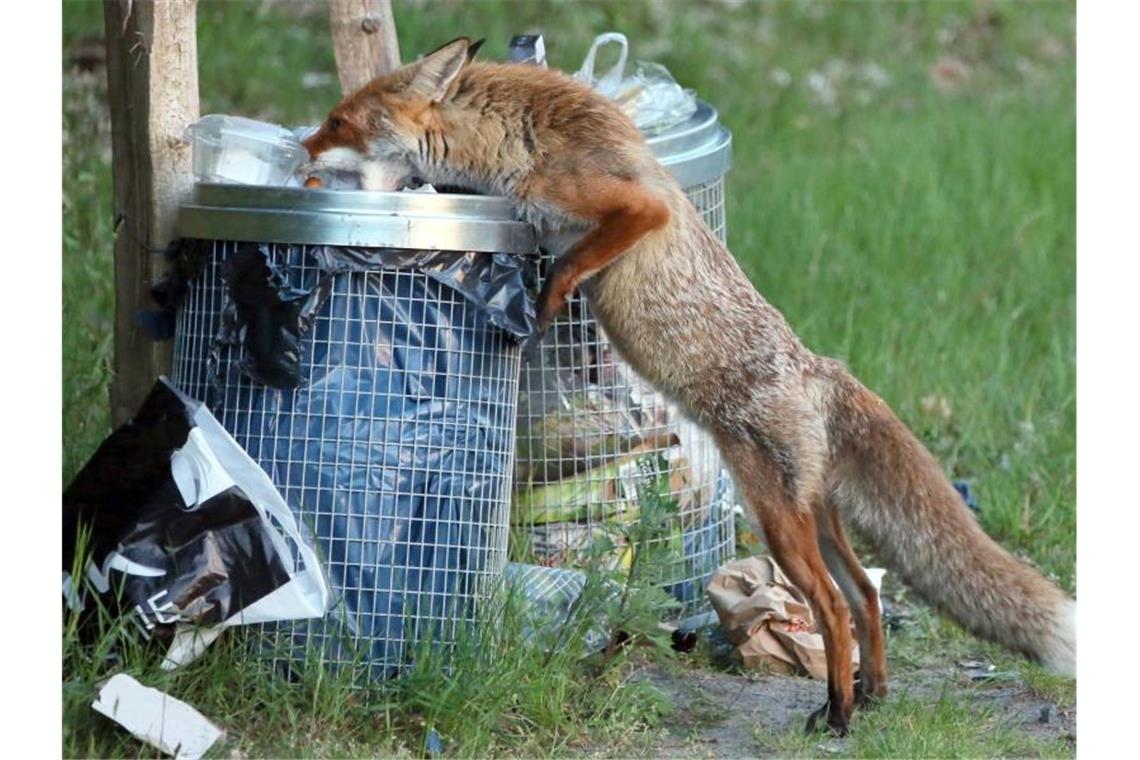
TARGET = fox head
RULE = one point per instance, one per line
(381, 130)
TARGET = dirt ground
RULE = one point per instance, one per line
(719, 715)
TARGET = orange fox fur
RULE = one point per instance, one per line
(806, 442)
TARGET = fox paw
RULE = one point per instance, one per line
(868, 697)
(534, 340)
(552, 298)
(826, 719)
(549, 307)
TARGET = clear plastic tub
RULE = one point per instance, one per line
(236, 150)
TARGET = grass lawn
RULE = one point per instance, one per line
(903, 188)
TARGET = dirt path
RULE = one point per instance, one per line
(718, 715)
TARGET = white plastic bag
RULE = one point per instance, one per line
(650, 95)
(211, 462)
(185, 534)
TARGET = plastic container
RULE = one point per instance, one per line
(395, 448)
(233, 149)
(595, 439)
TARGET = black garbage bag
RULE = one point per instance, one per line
(177, 525)
(270, 317)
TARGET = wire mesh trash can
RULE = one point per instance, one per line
(595, 438)
(364, 349)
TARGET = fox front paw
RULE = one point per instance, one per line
(534, 340)
(550, 304)
(546, 316)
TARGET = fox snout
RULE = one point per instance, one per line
(338, 145)
(312, 144)
(316, 143)
(335, 132)
(375, 174)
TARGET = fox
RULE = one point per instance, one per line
(809, 446)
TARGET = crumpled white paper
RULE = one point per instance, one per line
(156, 718)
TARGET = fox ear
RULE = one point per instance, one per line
(436, 72)
(473, 48)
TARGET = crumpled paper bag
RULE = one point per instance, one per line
(768, 618)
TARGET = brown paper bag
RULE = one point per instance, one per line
(768, 618)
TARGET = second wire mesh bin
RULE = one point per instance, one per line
(596, 440)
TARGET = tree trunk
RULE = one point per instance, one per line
(152, 85)
(364, 37)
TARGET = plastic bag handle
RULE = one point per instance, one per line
(587, 70)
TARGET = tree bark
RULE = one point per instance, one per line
(364, 38)
(152, 85)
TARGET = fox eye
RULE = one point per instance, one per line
(335, 123)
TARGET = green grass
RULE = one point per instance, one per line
(528, 704)
(942, 727)
(927, 237)
(516, 681)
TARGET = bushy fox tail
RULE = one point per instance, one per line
(893, 491)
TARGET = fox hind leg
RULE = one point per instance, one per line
(862, 600)
(791, 534)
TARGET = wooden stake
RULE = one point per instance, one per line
(152, 85)
(364, 38)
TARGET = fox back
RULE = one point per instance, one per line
(553, 144)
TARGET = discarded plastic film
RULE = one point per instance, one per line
(498, 285)
(272, 316)
(186, 529)
(551, 594)
(649, 95)
(527, 48)
(396, 444)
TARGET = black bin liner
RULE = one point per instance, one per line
(396, 444)
(182, 528)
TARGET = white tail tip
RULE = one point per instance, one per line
(1060, 653)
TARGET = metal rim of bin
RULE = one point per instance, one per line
(368, 219)
(698, 153)
(289, 221)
